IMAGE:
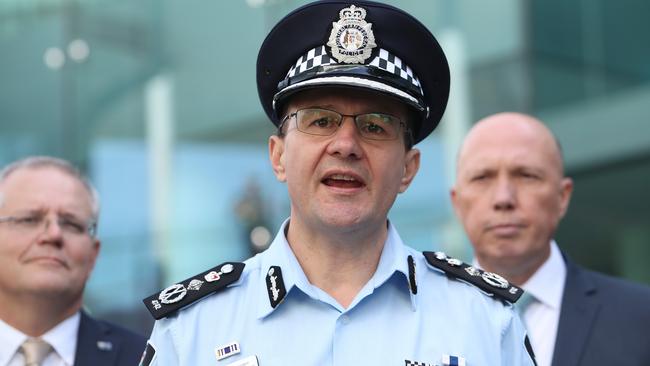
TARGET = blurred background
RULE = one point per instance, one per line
(156, 101)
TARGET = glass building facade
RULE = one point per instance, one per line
(156, 101)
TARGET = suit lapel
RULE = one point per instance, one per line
(95, 344)
(580, 304)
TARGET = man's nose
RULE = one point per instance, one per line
(346, 140)
(51, 230)
(505, 194)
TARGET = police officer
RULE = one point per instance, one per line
(351, 87)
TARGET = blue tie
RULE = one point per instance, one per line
(522, 305)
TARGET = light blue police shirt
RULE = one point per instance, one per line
(386, 324)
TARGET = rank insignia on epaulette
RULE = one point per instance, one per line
(181, 294)
(489, 282)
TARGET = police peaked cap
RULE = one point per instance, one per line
(403, 59)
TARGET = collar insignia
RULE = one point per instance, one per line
(352, 39)
(412, 279)
(275, 286)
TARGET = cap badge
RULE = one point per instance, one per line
(351, 39)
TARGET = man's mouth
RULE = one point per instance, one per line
(48, 260)
(506, 229)
(343, 181)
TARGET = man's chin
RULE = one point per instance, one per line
(51, 282)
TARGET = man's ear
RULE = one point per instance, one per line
(96, 245)
(566, 188)
(453, 195)
(411, 167)
(276, 155)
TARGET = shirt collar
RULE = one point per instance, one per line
(11, 339)
(394, 258)
(547, 283)
(280, 254)
(62, 338)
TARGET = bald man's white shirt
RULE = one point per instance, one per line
(542, 316)
(62, 338)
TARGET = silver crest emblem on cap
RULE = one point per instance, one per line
(351, 39)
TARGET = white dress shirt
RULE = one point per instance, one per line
(62, 338)
(543, 315)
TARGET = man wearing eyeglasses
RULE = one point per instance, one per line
(337, 285)
(48, 247)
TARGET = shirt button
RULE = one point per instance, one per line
(345, 319)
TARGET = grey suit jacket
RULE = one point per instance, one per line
(603, 321)
(100, 343)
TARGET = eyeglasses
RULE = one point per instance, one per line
(32, 223)
(325, 122)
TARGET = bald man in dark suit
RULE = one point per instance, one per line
(510, 194)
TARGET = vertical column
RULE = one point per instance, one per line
(457, 121)
(159, 117)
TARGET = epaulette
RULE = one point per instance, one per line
(176, 296)
(489, 282)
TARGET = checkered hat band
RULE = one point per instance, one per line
(314, 58)
(385, 61)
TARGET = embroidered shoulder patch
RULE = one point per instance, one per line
(181, 294)
(489, 282)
